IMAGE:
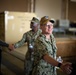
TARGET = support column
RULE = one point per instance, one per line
(64, 9)
(31, 5)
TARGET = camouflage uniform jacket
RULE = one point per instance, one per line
(43, 46)
(28, 37)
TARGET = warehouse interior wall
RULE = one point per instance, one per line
(57, 9)
(13, 5)
(50, 8)
(72, 11)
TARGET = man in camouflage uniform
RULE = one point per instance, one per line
(29, 37)
(45, 51)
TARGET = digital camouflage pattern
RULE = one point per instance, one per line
(28, 37)
(43, 46)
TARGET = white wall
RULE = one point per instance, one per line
(50, 8)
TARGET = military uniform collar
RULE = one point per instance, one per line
(45, 37)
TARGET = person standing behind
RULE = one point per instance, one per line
(29, 37)
(45, 51)
(2, 44)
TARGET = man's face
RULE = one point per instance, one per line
(47, 28)
(34, 26)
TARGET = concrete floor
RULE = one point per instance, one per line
(11, 65)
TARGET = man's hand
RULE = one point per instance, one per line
(11, 47)
(66, 67)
